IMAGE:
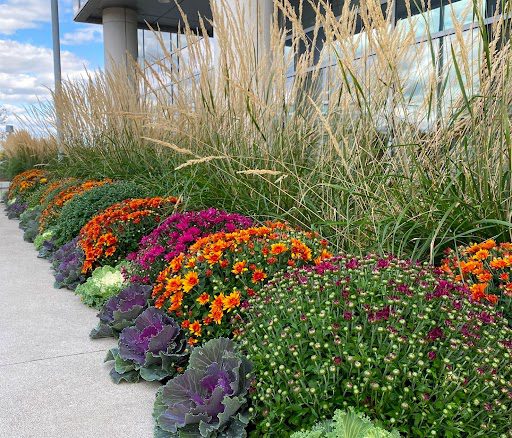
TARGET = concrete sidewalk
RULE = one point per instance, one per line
(53, 382)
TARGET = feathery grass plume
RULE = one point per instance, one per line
(392, 138)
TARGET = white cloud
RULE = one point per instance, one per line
(23, 14)
(85, 34)
(26, 73)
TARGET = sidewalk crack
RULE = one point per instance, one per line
(50, 357)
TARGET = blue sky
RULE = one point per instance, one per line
(26, 60)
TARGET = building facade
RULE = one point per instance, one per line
(437, 26)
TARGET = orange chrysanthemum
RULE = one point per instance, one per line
(231, 261)
(98, 238)
(190, 281)
(258, 276)
(195, 328)
(478, 291)
(239, 267)
(231, 301)
(278, 248)
(482, 254)
(203, 299)
(499, 263)
(25, 181)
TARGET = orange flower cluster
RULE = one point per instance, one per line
(26, 181)
(53, 209)
(118, 229)
(206, 287)
(485, 267)
(53, 187)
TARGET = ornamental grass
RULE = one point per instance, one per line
(205, 288)
(388, 337)
(110, 235)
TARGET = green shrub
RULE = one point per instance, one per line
(34, 200)
(105, 282)
(77, 212)
(388, 337)
(346, 425)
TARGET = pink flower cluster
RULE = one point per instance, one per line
(173, 237)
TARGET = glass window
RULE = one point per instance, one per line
(460, 11)
(152, 49)
(468, 56)
(414, 16)
(418, 73)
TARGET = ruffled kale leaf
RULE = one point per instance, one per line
(121, 310)
(210, 398)
(67, 264)
(153, 349)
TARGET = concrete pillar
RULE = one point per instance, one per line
(256, 21)
(119, 37)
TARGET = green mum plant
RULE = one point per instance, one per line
(391, 338)
(80, 209)
(105, 282)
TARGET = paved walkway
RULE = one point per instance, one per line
(53, 382)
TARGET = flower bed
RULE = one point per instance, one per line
(259, 331)
(487, 270)
(385, 336)
(205, 288)
(174, 235)
(109, 236)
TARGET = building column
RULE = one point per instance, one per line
(256, 21)
(119, 37)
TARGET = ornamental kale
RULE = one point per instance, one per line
(175, 235)
(29, 223)
(28, 216)
(67, 264)
(153, 349)
(347, 425)
(15, 209)
(210, 398)
(31, 230)
(43, 237)
(104, 283)
(121, 310)
(47, 249)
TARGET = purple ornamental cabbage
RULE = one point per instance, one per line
(121, 310)
(210, 398)
(153, 349)
(67, 264)
(47, 249)
(174, 235)
(15, 209)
